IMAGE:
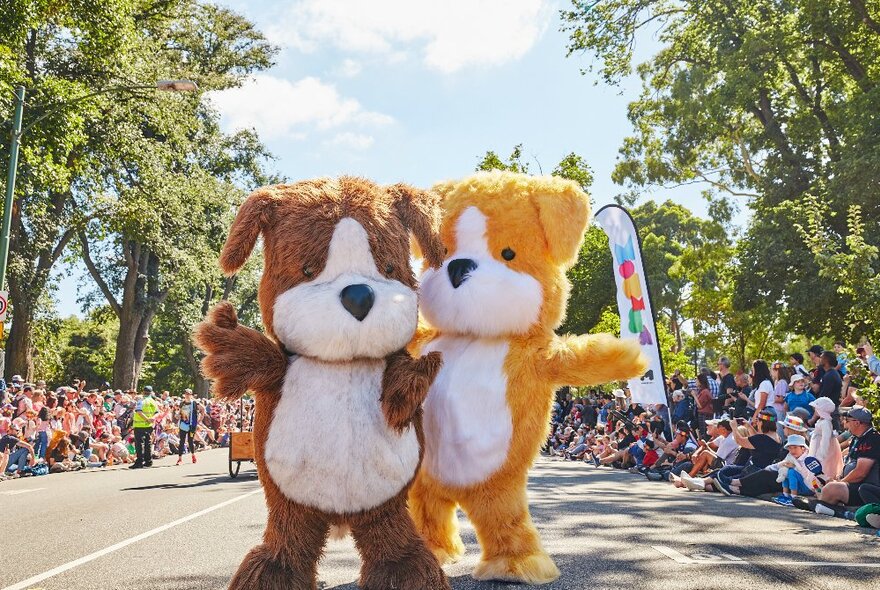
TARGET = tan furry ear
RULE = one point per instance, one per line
(420, 212)
(564, 214)
(252, 217)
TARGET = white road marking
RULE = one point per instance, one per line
(93, 556)
(827, 564)
(17, 492)
(712, 559)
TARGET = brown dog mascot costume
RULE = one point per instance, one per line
(338, 300)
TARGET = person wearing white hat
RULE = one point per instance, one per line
(798, 472)
(823, 444)
(799, 396)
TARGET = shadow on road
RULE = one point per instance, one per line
(209, 480)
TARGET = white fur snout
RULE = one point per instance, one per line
(311, 320)
(494, 300)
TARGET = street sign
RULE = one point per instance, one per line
(4, 304)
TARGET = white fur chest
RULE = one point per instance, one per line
(467, 421)
(329, 445)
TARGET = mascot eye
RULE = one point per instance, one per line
(307, 270)
(389, 268)
(507, 254)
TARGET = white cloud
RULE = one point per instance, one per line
(279, 108)
(349, 68)
(449, 35)
(355, 141)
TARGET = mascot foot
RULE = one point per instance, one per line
(419, 571)
(261, 570)
(528, 569)
(451, 553)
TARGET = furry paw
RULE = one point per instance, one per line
(417, 571)
(530, 569)
(260, 570)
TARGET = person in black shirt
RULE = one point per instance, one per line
(831, 383)
(862, 465)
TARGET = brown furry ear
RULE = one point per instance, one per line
(252, 217)
(564, 211)
(420, 212)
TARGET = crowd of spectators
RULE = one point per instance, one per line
(801, 437)
(70, 428)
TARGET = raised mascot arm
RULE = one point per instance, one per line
(238, 359)
(593, 359)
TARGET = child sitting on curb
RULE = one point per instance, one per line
(798, 472)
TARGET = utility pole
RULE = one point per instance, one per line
(10, 185)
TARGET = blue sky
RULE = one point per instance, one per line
(417, 91)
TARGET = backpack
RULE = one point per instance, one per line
(126, 420)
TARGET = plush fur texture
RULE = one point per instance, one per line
(310, 318)
(501, 299)
(541, 220)
(363, 463)
(467, 421)
(319, 237)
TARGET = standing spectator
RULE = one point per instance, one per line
(703, 399)
(190, 415)
(831, 383)
(862, 464)
(144, 413)
(815, 354)
(42, 437)
(743, 397)
(727, 384)
(780, 374)
(678, 382)
(763, 384)
(870, 358)
(842, 357)
(797, 364)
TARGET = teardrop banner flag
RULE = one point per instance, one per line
(634, 301)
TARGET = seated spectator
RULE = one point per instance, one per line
(862, 465)
(716, 453)
(764, 445)
(20, 453)
(798, 472)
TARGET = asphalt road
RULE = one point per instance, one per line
(188, 527)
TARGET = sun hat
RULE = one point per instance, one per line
(797, 377)
(793, 422)
(796, 440)
(618, 393)
(716, 421)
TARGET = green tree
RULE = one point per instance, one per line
(763, 100)
(171, 177)
(58, 51)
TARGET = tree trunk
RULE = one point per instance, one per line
(201, 386)
(126, 365)
(141, 298)
(19, 348)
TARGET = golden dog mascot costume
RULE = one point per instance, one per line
(338, 299)
(492, 308)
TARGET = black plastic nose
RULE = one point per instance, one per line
(459, 270)
(358, 300)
